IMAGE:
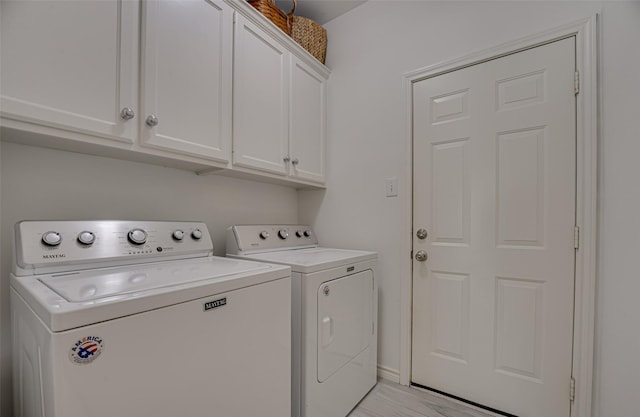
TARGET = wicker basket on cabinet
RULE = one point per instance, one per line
(279, 18)
(311, 36)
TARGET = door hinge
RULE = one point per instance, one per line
(576, 82)
(572, 389)
(576, 237)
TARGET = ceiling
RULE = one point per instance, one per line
(321, 11)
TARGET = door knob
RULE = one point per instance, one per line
(421, 256)
(421, 233)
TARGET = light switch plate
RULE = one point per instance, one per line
(392, 187)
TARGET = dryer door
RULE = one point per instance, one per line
(345, 321)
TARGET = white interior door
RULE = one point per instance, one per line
(494, 187)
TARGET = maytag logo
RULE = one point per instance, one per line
(210, 305)
(54, 256)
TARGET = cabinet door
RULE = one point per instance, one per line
(308, 123)
(186, 70)
(70, 64)
(261, 102)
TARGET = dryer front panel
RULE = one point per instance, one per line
(345, 321)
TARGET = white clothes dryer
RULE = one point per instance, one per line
(134, 318)
(334, 315)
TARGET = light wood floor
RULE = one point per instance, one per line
(387, 399)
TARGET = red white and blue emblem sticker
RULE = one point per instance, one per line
(86, 350)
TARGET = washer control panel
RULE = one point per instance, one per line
(74, 243)
(257, 238)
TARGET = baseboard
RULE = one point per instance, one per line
(389, 374)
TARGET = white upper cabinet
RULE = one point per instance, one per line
(261, 100)
(307, 131)
(71, 65)
(279, 108)
(206, 85)
(186, 77)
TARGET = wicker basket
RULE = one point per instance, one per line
(269, 9)
(311, 36)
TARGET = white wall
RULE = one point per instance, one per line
(618, 336)
(370, 49)
(40, 183)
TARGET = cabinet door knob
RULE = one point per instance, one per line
(286, 159)
(127, 113)
(295, 161)
(152, 120)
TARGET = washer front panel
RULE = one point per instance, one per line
(345, 321)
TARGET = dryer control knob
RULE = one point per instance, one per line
(283, 234)
(307, 233)
(178, 234)
(86, 238)
(137, 236)
(299, 233)
(264, 235)
(196, 234)
(52, 238)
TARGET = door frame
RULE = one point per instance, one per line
(587, 132)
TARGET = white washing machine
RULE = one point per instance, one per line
(334, 315)
(133, 318)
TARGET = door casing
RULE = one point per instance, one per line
(587, 125)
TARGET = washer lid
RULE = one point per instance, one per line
(313, 259)
(92, 285)
(69, 300)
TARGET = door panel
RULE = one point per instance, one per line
(260, 100)
(192, 102)
(345, 317)
(94, 75)
(307, 123)
(494, 185)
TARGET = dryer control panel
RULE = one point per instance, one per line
(73, 245)
(243, 239)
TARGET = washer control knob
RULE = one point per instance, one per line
(307, 233)
(86, 238)
(264, 235)
(196, 234)
(178, 234)
(299, 233)
(283, 234)
(52, 238)
(137, 236)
